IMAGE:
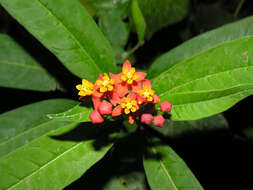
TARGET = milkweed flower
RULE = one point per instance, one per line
(127, 94)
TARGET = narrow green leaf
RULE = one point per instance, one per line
(78, 113)
(210, 82)
(200, 44)
(20, 126)
(174, 129)
(19, 70)
(67, 30)
(52, 161)
(168, 171)
(139, 21)
(159, 14)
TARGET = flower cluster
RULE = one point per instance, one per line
(126, 94)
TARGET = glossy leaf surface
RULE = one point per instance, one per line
(210, 82)
(159, 14)
(67, 30)
(200, 44)
(78, 113)
(168, 171)
(139, 21)
(20, 126)
(53, 160)
(19, 70)
(174, 129)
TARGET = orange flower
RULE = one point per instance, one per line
(128, 106)
(128, 79)
(147, 94)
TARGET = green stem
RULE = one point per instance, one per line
(239, 8)
(125, 55)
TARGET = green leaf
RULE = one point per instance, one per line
(20, 126)
(67, 30)
(210, 82)
(99, 7)
(200, 44)
(159, 14)
(129, 181)
(114, 29)
(19, 70)
(52, 161)
(78, 113)
(174, 129)
(139, 21)
(168, 171)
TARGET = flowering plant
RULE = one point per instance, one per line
(127, 93)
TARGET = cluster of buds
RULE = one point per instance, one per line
(126, 94)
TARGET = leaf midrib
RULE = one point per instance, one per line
(34, 67)
(70, 34)
(166, 172)
(213, 98)
(26, 131)
(206, 76)
(45, 165)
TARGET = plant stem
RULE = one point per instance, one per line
(125, 55)
(239, 6)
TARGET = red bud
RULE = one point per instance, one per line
(146, 118)
(165, 106)
(95, 117)
(159, 120)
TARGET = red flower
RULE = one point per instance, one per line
(146, 118)
(159, 120)
(95, 117)
(165, 106)
(105, 108)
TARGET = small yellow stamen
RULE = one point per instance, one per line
(106, 84)
(129, 105)
(147, 93)
(129, 76)
(86, 88)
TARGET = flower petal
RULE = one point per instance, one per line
(96, 101)
(127, 65)
(146, 83)
(116, 77)
(117, 111)
(141, 76)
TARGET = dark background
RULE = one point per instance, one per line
(219, 159)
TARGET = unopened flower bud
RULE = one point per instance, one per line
(96, 117)
(146, 118)
(159, 120)
(165, 106)
(105, 108)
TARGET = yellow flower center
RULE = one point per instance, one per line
(129, 76)
(129, 105)
(147, 93)
(106, 84)
(85, 89)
